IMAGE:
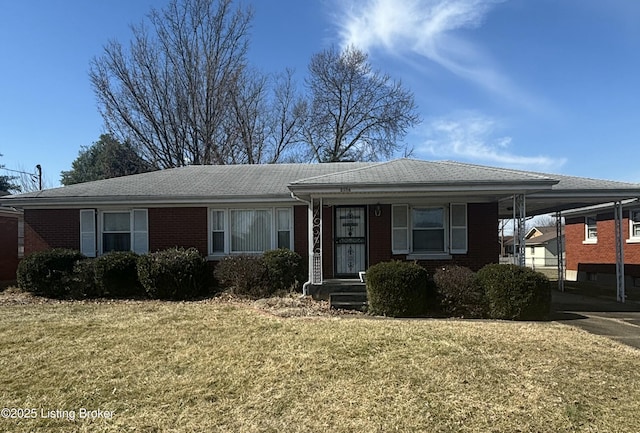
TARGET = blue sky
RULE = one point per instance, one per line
(541, 85)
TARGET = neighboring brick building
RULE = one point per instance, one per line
(11, 242)
(343, 217)
(591, 244)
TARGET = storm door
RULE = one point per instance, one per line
(350, 240)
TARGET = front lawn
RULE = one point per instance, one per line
(216, 366)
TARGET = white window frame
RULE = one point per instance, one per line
(226, 211)
(634, 222)
(448, 227)
(139, 238)
(587, 238)
(88, 243)
(445, 240)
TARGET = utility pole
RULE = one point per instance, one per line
(39, 168)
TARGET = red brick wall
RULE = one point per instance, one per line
(602, 252)
(483, 246)
(301, 231)
(178, 227)
(379, 234)
(51, 228)
(8, 247)
(482, 237)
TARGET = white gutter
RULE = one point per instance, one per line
(305, 286)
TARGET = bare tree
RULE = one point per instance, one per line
(169, 92)
(355, 113)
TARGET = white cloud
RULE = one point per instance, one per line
(428, 28)
(474, 137)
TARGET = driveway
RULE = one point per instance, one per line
(602, 316)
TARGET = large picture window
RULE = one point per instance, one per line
(250, 231)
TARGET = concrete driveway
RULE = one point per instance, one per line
(602, 316)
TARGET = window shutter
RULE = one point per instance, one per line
(400, 229)
(88, 232)
(458, 227)
(140, 232)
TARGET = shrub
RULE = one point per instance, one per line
(398, 289)
(515, 293)
(459, 292)
(244, 275)
(48, 273)
(173, 274)
(116, 275)
(83, 282)
(285, 269)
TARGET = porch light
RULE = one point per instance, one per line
(377, 211)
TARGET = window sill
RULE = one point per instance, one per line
(434, 256)
(590, 242)
(633, 241)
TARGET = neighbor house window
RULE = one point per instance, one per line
(429, 230)
(250, 231)
(634, 224)
(591, 229)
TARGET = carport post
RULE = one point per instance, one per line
(560, 249)
(617, 211)
(519, 217)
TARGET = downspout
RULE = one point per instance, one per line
(305, 286)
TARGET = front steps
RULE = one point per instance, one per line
(343, 294)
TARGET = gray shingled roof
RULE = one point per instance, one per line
(415, 172)
(195, 184)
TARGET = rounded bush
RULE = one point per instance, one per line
(83, 281)
(459, 292)
(48, 273)
(116, 275)
(515, 292)
(285, 269)
(173, 274)
(244, 275)
(398, 289)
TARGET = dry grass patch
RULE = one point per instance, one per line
(212, 366)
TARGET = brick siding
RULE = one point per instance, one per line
(599, 257)
(51, 228)
(8, 247)
(178, 227)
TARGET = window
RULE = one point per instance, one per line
(429, 230)
(250, 231)
(634, 225)
(21, 236)
(217, 232)
(284, 228)
(121, 230)
(116, 231)
(591, 229)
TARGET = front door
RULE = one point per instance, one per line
(350, 240)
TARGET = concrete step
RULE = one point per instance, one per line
(348, 300)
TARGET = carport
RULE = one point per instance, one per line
(567, 194)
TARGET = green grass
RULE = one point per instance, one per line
(183, 367)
